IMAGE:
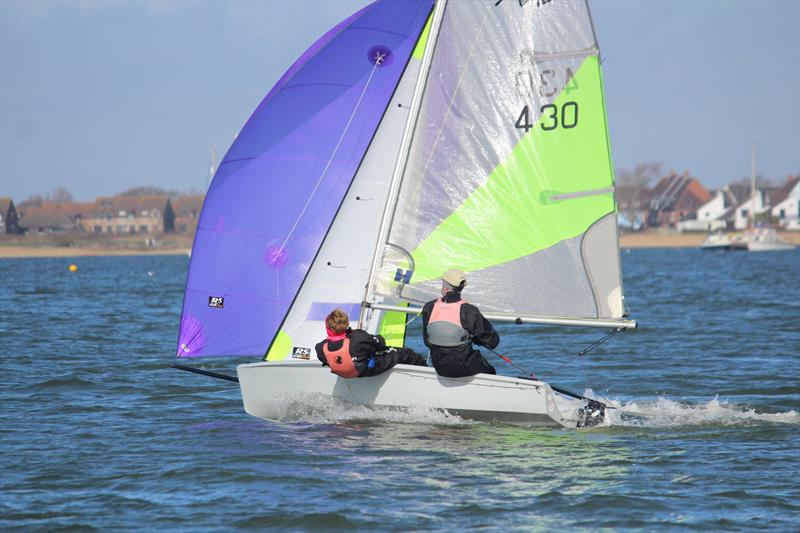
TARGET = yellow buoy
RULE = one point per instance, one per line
(73, 268)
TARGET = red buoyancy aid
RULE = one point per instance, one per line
(444, 324)
(340, 361)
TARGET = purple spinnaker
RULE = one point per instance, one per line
(282, 181)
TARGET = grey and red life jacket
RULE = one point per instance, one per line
(444, 324)
(340, 361)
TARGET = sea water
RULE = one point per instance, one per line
(98, 433)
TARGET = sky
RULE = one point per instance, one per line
(101, 96)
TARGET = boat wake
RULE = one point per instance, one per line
(323, 409)
(664, 412)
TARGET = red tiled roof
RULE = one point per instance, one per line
(673, 189)
(740, 192)
(53, 215)
(73, 209)
(791, 181)
(112, 205)
(776, 196)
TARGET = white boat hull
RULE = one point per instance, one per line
(716, 246)
(717, 241)
(762, 240)
(267, 386)
(756, 246)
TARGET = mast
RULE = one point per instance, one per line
(405, 145)
(752, 216)
(212, 164)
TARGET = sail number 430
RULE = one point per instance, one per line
(552, 117)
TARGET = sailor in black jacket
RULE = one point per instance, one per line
(450, 326)
(356, 353)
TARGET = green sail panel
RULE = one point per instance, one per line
(419, 49)
(555, 184)
(393, 328)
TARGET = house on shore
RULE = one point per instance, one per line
(786, 205)
(718, 212)
(754, 204)
(675, 198)
(774, 206)
(187, 212)
(53, 217)
(125, 215)
(111, 215)
(9, 221)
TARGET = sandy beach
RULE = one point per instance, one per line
(646, 239)
(655, 239)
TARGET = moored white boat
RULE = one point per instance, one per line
(756, 239)
(761, 240)
(765, 240)
(717, 241)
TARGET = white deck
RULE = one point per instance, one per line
(267, 385)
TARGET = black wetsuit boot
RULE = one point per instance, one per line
(386, 359)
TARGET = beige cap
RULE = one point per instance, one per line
(454, 277)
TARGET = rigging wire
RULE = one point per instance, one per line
(595, 389)
(416, 316)
(512, 363)
(379, 57)
(583, 352)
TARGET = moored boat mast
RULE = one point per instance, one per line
(752, 216)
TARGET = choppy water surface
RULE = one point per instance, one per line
(98, 433)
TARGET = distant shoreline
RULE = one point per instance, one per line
(20, 252)
(656, 239)
(645, 239)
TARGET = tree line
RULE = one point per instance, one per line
(62, 195)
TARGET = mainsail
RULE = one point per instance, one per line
(509, 174)
(280, 186)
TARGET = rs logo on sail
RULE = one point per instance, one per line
(216, 301)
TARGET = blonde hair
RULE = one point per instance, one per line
(337, 320)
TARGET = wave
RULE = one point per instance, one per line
(66, 382)
(664, 412)
(36, 291)
(323, 409)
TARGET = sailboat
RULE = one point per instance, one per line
(414, 137)
(756, 239)
(717, 241)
